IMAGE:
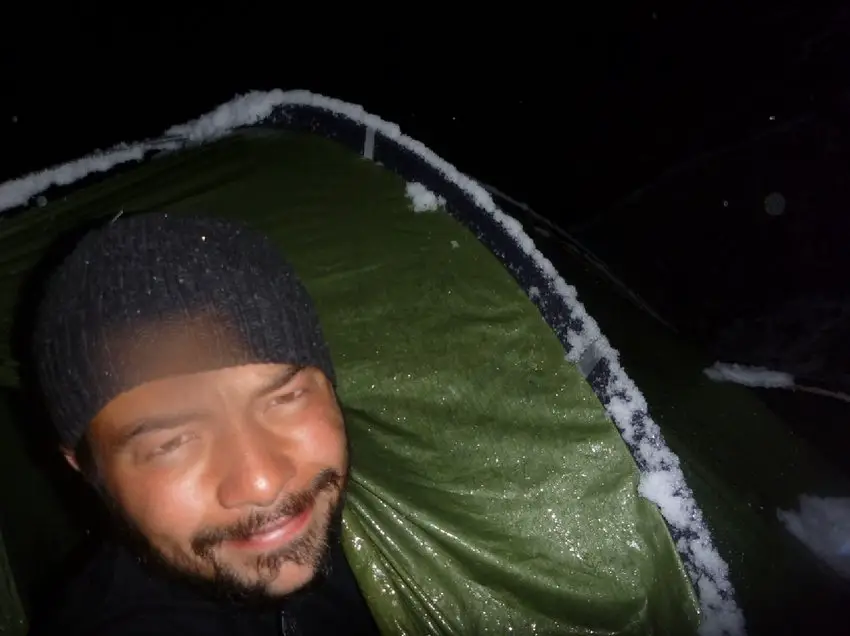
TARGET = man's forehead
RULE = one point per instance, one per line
(178, 390)
(174, 346)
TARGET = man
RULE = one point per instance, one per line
(186, 374)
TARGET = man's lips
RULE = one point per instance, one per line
(276, 534)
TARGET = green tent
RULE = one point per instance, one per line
(533, 452)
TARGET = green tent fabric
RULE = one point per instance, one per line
(498, 485)
(441, 359)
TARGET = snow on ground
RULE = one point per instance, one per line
(759, 377)
(662, 480)
(749, 376)
(823, 525)
(802, 335)
(422, 199)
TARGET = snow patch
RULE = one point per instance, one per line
(762, 378)
(19, 191)
(662, 481)
(422, 199)
(749, 376)
(823, 526)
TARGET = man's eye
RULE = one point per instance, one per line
(287, 398)
(171, 445)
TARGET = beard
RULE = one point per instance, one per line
(247, 585)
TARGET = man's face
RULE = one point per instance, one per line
(231, 476)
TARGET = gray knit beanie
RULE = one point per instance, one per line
(131, 289)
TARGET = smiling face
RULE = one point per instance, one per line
(232, 476)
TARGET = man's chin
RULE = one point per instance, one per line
(246, 584)
(291, 578)
(245, 576)
(243, 587)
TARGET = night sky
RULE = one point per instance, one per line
(569, 110)
(652, 131)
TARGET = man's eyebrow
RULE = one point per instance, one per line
(279, 380)
(146, 425)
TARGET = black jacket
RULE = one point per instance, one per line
(116, 595)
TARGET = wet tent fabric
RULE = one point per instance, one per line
(740, 464)
(490, 489)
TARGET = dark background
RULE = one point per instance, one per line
(601, 99)
(650, 131)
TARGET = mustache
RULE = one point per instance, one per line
(293, 505)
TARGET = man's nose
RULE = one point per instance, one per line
(254, 468)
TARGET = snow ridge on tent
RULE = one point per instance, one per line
(662, 480)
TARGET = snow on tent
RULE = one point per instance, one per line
(533, 451)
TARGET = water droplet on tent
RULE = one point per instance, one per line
(455, 244)
(774, 204)
(14, 119)
(725, 203)
(772, 118)
(41, 201)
